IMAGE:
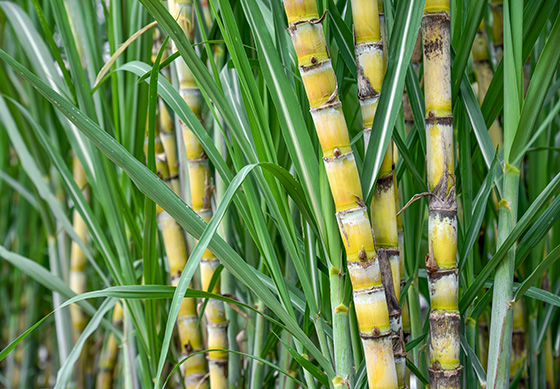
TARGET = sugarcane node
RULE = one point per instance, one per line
(188, 348)
(443, 120)
(371, 290)
(305, 69)
(440, 273)
(384, 183)
(375, 332)
(391, 252)
(219, 325)
(445, 378)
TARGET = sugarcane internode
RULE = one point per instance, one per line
(363, 265)
(445, 322)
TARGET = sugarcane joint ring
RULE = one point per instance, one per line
(332, 104)
(370, 290)
(219, 325)
(444, 120)
(365, 264)
(376, 334)
(306, 69)
(447, 374)
(434, 275)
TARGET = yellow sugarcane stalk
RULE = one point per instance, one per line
(78, 260)
(483, 73)
(355, 229)
(550, 361)
(498, 28)
(200, 195)
(518, 349)
(110, 355)
(78, 280)
(194, 369)
(369, 27)
(445, 321)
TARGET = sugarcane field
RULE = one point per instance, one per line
(340, 194)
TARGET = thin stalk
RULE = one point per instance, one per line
(78, 280)
(483, 73)
(257, 368)
(200, 194)
(499, 348)
(110, 354)
(228, 281)
(61, 319)
(341, 333)
(363, 264)
(445, 322)
(549, 361)
(499, 352)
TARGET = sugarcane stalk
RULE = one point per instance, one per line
(78, 260)
(227, 280)
(370, 63)
(445, 322)
(549, 361)
(483, 73)
(363, 264)
(200, 195)
(110, 354)
(518, 344)
(499, 352)
(78, 279)
(341, 334)
(194, 370)
(498, 29)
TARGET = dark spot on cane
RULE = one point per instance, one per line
(362, 255)
(336, 152)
